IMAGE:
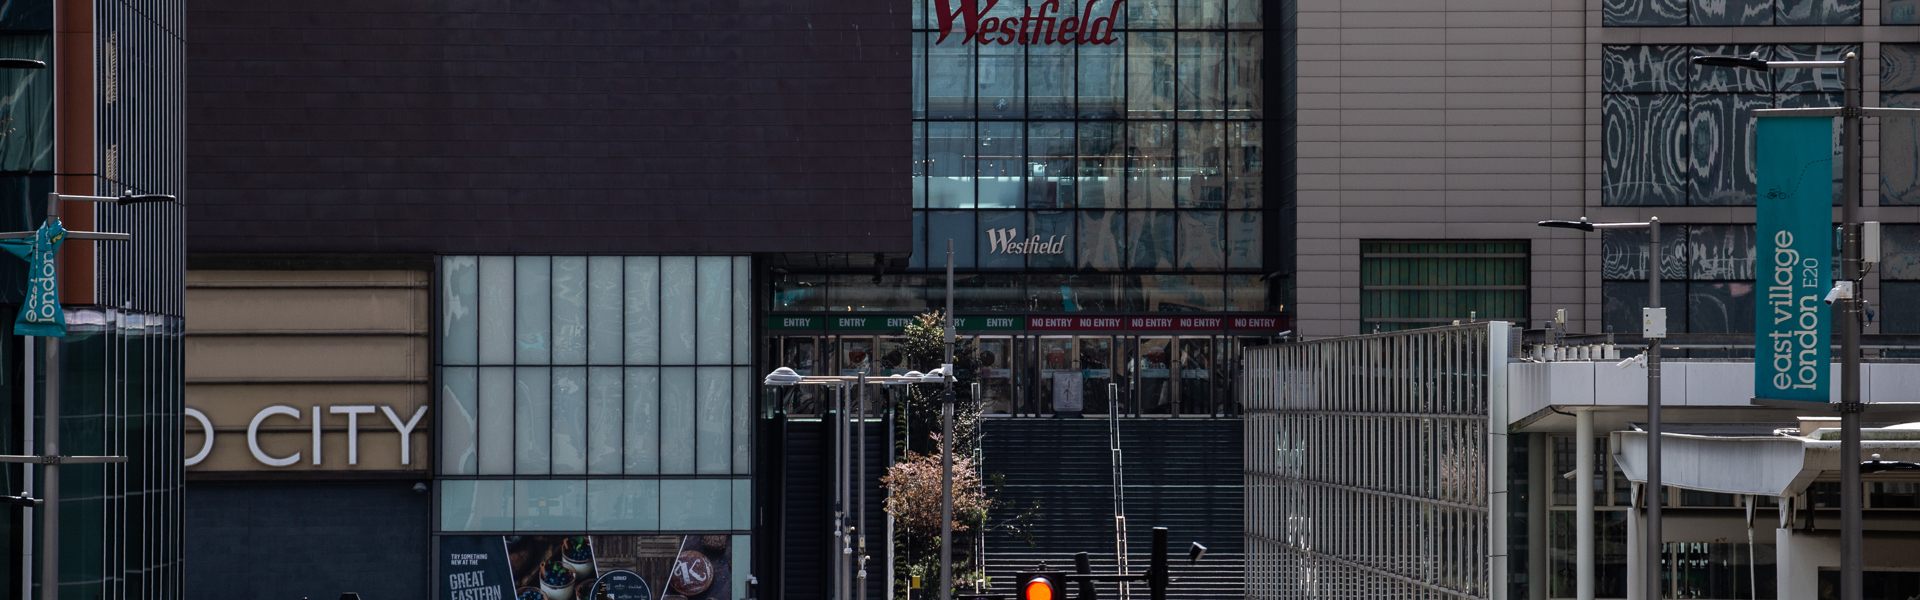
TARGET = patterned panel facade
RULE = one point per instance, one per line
(550, 126)
(140, 148)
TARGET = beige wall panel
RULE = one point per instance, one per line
(203, 279)
(234, 405)
(341, 358)
(306, 310)
(379, 449)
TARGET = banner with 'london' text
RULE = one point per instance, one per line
(1794, 244)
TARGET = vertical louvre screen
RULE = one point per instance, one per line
(1367, 467)
(1408, 285)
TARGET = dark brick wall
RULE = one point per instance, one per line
(548, 126)
(298, 540)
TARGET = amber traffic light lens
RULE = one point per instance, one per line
(1039, 589)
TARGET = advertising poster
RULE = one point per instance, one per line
(1066, 392)
(587, 567)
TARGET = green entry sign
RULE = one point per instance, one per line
(1795, 240)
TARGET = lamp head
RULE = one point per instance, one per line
(1581, 224)
(935, 376)
(132, 198)
(1751, 62)
(782, 376)
(21, 63)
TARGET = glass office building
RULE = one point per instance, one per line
(1100, 170)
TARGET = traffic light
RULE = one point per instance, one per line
(1157, 566)
(1042, 585)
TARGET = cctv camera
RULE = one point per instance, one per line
(1833, 294)
(1194, 552)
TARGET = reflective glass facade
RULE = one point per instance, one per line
(121, 394)
(1144, 154)
(594, 394)
(1085, 158)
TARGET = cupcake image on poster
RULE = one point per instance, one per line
(577, 553)
(556, 581)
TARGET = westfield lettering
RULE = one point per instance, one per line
(1007, 241)
(1045, 27)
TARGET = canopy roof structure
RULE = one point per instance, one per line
(1782, 464)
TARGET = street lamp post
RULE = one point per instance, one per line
(1848, 303)
(850, 497)
(50, 458)
(946, 444)
(1653, 328)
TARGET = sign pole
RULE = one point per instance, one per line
(50, 458)
(1655, 497)
(946, 445)
(50, 545)
(1849, 318)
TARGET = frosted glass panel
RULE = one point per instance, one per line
(623, 505)
(742, 421)
(550, 505)
(715, 442)
(476, 505)
(742, 546)
(604, 420)
(643, 420)
(532, 414)
(696, 504)
(569, 310)
(569, 420)
(715, 310)
(743, 504)
(496, 310)
(643, 310)
(531, 386)
(496, 421)
(532, 289)
(459, 412)
(677, 310)
(604, 327)
(742, 311)
(460, 310)
(676, 420)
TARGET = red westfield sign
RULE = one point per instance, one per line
(1045, 26)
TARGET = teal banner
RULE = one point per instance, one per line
(42, 315)
(1794, 239)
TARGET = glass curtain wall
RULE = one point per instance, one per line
(1141, 155)
(121, 394)
(595, 394)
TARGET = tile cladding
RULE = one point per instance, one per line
(549, 126)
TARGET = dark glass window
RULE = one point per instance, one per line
(1900, 138)
(1407, 285)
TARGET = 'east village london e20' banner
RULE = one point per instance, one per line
(1795, 244)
